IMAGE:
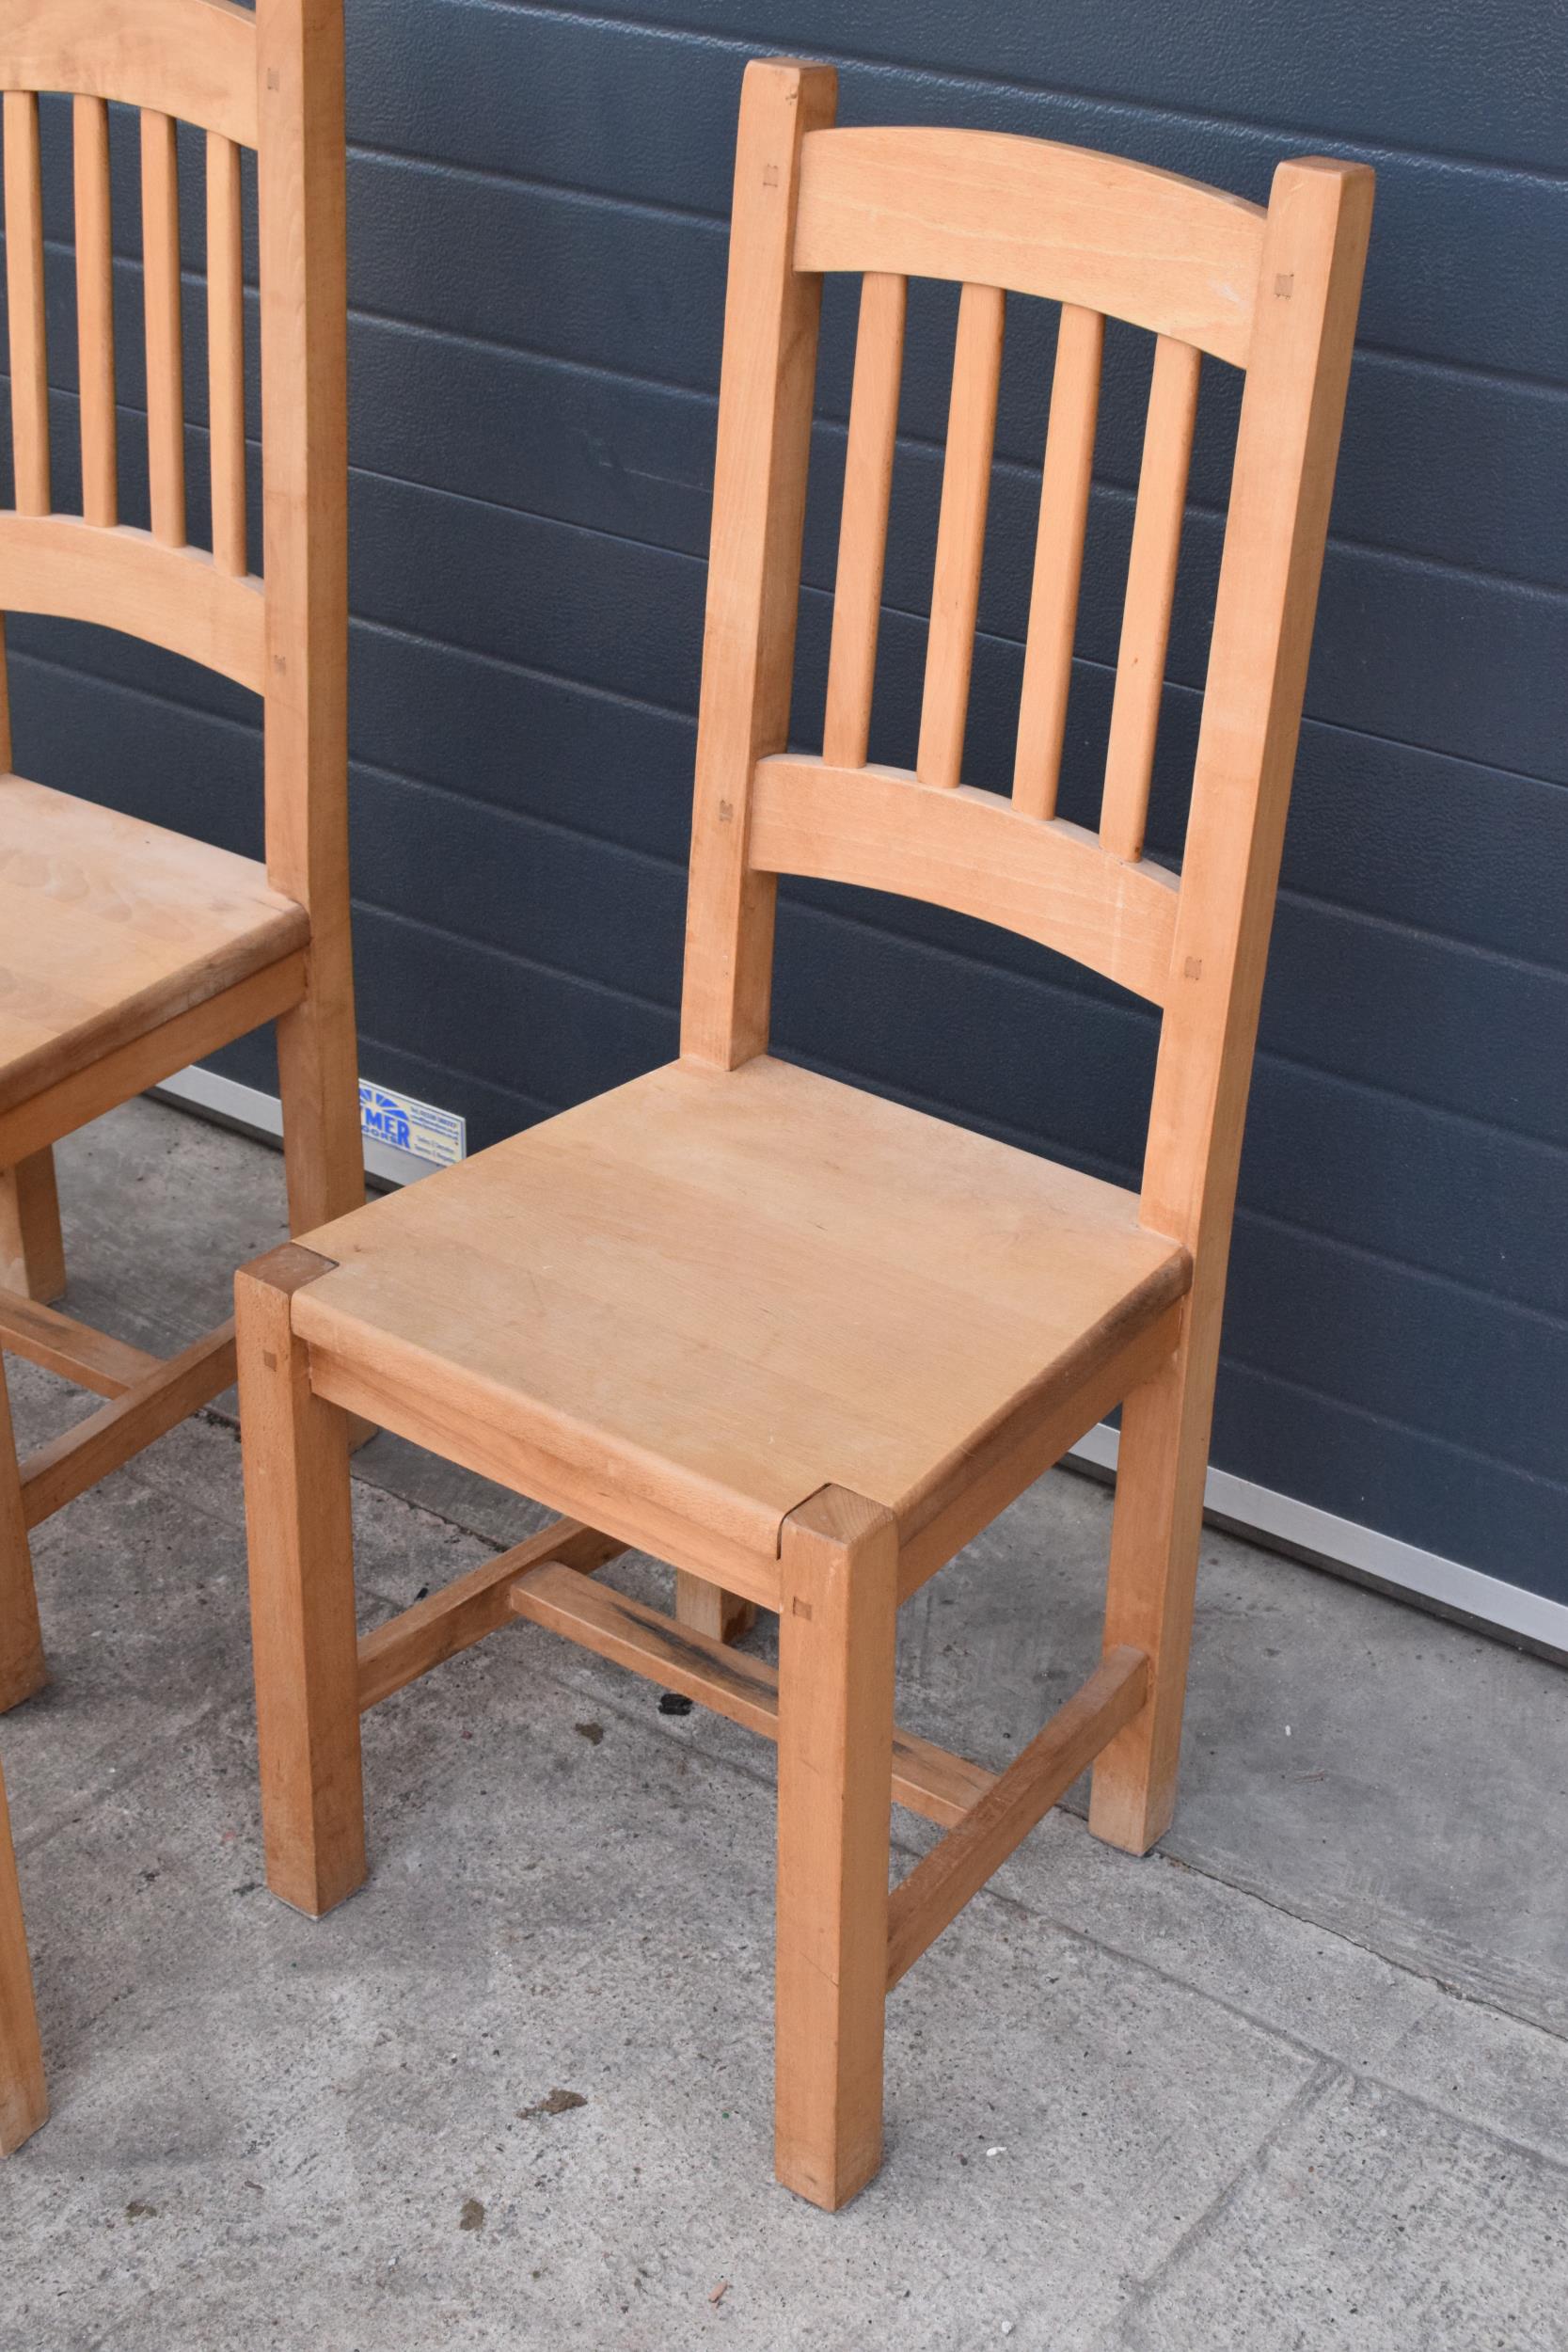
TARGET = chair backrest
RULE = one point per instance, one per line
(1274, 292)
(272, 80)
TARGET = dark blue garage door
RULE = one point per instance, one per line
(537, 226)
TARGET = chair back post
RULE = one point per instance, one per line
(1298, 364)
(304, 307)
(759, 498)
(304, 299)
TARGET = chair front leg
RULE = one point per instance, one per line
(23, 1669)
(32, 1248)
(836, 1639)
(23, 2101)
(297, 1514)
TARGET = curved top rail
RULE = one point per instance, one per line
(987, 207)
(195, 59)
(120, 577)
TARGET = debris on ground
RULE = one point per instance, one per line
(674, 1703)
(558, 2103)
(719, 2291)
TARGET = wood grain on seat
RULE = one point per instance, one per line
(724, 1290)
(109, 927)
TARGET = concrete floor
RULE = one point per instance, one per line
(1299, 2080)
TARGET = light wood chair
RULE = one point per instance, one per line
(127, 951)
(798, 1341)
(24, 2100)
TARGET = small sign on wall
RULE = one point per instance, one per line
(409, 1125)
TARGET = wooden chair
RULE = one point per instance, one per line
(24, 2100)
(127, 951)
(798, 1341)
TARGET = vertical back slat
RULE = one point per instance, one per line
(165, 402)
(95, 310)
(1150, 588)
(25, 300)
(863, 524)
(1058, 559)
(225, 353)
(960, 533)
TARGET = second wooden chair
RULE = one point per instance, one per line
(126, 950)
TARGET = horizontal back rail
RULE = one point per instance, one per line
(986, 208)
(122, 578)
(883, 828)
(195, 59)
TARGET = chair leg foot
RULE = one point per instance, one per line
(24, 2100)
(1155, 1537)
(22, 1668)
(297, 1513)
(32, 1248)
(836, 1640)
(1129, 1822)
(704, 1608)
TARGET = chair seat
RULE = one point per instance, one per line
(718, 1292)
(109, 927)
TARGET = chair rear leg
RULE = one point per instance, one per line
(836, 1640)
(32, 1248)
(302, 1616)
(704, 1608)
(23, 1669)
(23, 2101)
(1155, 1535)
(318, 1081)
